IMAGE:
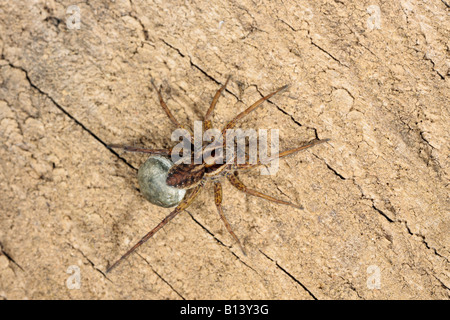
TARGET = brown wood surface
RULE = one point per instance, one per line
(375, 197)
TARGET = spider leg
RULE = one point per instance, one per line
(166, 109)
(183, 205)
(240, 186)
(282, 154)
(141, 150)
(218, 201)
(207, 119)
(232, 123)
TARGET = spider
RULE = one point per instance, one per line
(193, 177)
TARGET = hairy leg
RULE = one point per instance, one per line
(218, 201)
(240, 186)
(141, 150)
(183, 205)
(166, 109)
(207, 119)
(233, 122)
(285, 153)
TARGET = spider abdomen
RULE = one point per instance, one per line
(185, 176)
(152, 176)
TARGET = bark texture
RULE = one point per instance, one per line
(371, 75)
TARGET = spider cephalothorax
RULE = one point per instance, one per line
(193, 176)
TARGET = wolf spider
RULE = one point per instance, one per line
(194, 176)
